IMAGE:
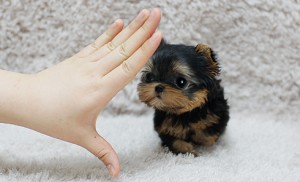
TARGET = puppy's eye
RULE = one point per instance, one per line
(181, 82)
(149, 77)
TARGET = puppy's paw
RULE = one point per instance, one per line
(196, 153)
(181, 146)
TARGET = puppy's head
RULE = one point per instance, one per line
(178, 78)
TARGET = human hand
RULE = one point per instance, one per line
(65, 100)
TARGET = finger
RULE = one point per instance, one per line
(126, 49)
(103, 39)
(125, 72)
(122, 36)
(104, 151)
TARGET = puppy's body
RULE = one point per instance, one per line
(190, 109)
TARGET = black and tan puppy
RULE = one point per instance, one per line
(180, 82)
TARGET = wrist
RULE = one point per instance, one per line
(15, 96)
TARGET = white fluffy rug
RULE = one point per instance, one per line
(258, 47)
(252, 149)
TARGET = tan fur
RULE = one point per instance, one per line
(202, 139)
(204, 123)
(181, 103)
(148, 67)
(184, 70)
(182, 146)
(180, 118)
(180, 132)
(176, 130)
(198, 127)
(206, 51)
(171, 100)
(146, 92)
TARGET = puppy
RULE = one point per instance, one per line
(180, 82)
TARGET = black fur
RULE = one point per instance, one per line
(213, 112)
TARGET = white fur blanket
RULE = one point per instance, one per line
(252, 149)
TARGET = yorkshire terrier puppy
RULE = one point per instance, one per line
(180, 82)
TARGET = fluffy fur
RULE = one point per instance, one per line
(180, 82)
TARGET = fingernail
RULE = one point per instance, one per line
(153, 12)
(113, 25)
(141, 15)
(111, 170)
(154, 37)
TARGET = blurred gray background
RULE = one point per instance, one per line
(257, 43)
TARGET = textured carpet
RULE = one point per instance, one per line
(252, 149)
(258, 45)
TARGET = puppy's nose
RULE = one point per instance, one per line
(159, 89)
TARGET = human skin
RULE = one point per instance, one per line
(65, 100)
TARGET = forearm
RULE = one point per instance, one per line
(14, 97)
(24, 102)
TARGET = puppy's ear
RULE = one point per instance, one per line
(210, 56)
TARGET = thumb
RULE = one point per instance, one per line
(104, 151)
